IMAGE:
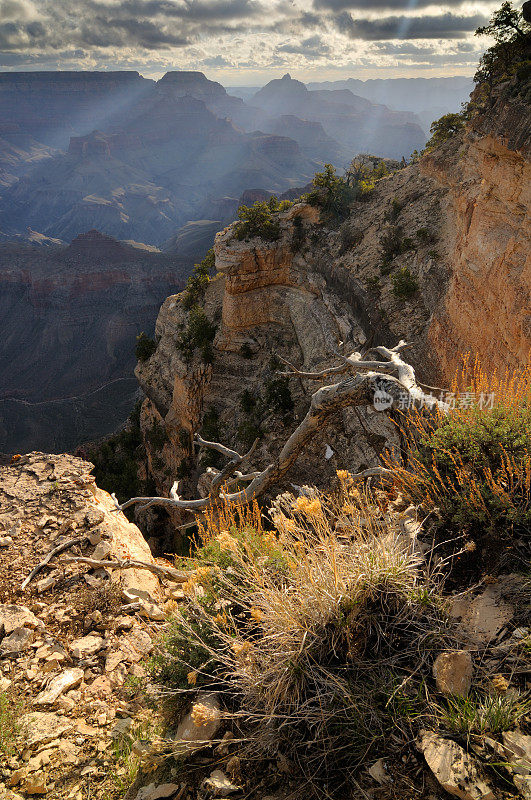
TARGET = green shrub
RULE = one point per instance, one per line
(473, 464)
(246, 351)
(157, 435)
(393, 243)
(349, 238)
(248, 431)
(117, 459)
(332, 194)
(198, 281)
(404, 284)
(373, 283)
(425, 236)
(248, 401)
(298, 236)
(443, 129)
(481, 713)
(198, 334)
(278, 395)
(396, 208)
(145, 347)
(260, 219)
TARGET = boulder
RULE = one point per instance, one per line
(41, 727)
(452, 671)
(86, 646)
(12, 617)
(454, 769)
(17, 641)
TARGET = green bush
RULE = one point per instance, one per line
(198, 334)
(443, 129)
(332, 194)
(508, 58)
(404, 284)
(278, 395)
(198, 281)
(260, 219)
(393, 243)
(246, 351)
(425, 236)
(473, 464)
(145, 347)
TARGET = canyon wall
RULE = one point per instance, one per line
(461, 225)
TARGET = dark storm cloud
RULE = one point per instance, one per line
(375, 5)
(444, 26)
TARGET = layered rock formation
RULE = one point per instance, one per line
(352, 121)
(68, 319)
(463, 248)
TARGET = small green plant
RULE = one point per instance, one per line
(278, 395)
(261, 219)
(404, 284)
(157, 435)
(145, 347)
(443, 129)
(298, 236)
(248, 401)
(332, 194)
(484, 713)
(198, 334)
(349, 238)
(373, 283)
(9, 724)
(248, 431)
(425, 236)
(246, 351)
(211, 432)
(198, 281)
(434, 254)
(392, 244)
(396, 208)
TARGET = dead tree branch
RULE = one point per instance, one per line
(392, 379)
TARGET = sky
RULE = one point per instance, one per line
(246, 42)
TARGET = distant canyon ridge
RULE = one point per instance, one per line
(138, 159)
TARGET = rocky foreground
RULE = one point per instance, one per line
(74, 643)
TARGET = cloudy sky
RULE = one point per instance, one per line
(246, 42)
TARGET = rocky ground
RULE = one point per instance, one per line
(79, 719)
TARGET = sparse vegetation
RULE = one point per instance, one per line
(393, 243)
(404, 284)
(10, 728)
(261, 219)
(484, 712)
(425, 236)
(473, 465)
(508, 58)
(444, 128)
(116, 460)
(145, 347)
(332, 194)
(198, 334)
(311, 635)
(198, 281)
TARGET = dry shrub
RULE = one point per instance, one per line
(324, 649)
(473, 464)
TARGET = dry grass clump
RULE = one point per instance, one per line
(473, 465)
(322, 636)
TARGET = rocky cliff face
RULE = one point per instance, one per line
(487, 307)
(456, 226)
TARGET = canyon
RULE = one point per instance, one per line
(69, 316)
(461, 215)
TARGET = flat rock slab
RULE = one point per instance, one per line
(454, 769)
(42, 727)
(12, 616)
